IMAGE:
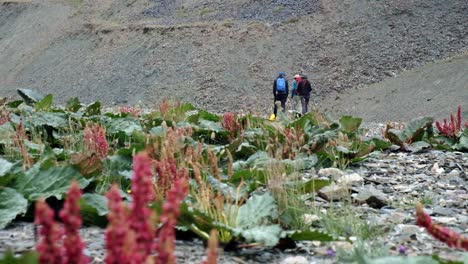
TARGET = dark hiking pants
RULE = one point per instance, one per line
(305, 103)
(282, 98)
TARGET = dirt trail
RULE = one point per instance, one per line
(432, 90)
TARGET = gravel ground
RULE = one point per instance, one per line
(396, 179)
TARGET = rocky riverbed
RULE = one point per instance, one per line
(381, 192)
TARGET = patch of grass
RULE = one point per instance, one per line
(362, 252)
(182, 12)
(277, 9)
(291, 206)
(206, 10)
(291, 21)
(343, 221)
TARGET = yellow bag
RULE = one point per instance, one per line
(272, 117)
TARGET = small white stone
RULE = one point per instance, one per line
(295, 260)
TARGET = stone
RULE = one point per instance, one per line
(295, 260)
(334, 192)
(353, 179)
(332, 173)
(373, 197)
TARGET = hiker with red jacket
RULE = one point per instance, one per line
(280, 91)
(303, 89)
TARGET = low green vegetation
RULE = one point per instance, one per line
(245, 171)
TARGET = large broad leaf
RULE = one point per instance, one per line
(47, 181)
(29, 96)
(303, 121)
(93, 209)
(309, 235)
(463, 141)
(381, 144)
(195, 116)
(55, 120)
(45, 103)
(258, 210)
(414, 131)
(12, 204)
(117, 165)
(5, 167)
(210, 125)
(128, 125)
(268, 235)
(350, 124)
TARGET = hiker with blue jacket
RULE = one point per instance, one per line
(280, 91)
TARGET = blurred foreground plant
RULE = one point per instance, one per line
(130, 234)
(444, 234)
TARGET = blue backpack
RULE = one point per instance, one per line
(281, 85)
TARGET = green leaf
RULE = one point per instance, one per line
(93, 109)
(127, 125)
(29, 96)
(312, 185)
(47, 181)
(55, 120)
(309, 235)
(418, 146)
(268, 235)
(381, 144)
(463, 141)
(93, 209)
(5, 167)
(97, 201)
(259, 209)
(26, 258)
(12, 204)
(303, 121)
(73, 104)
(210, 125)
(45, 103)
(350, 124)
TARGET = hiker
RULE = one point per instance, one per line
(303, 89)
(294, 95)
(280, 91)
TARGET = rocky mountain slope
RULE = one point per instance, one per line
(219, 54)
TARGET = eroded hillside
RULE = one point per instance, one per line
(222, 55)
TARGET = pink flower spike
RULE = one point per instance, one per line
(71, 218)
(50, 235)
(119, 238)
(142, 195)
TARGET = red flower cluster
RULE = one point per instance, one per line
(95, 140)
(71, 218)
(129, 110)
(451, 129)
(230, 123)
(165, 244)
(142, 194)
(444, 234)
(120, 239)
(52, 249)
